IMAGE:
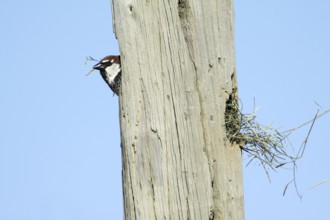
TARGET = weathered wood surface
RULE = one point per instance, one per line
(178, 63)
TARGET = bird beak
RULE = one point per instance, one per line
(98, 66)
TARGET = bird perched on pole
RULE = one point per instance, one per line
(110, 70)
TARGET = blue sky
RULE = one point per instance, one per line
(59, 130)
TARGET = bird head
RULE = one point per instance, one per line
(106, 62)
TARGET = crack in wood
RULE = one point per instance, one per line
(185, 16)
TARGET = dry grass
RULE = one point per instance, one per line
(265, 144)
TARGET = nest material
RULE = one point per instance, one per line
(264, 143)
